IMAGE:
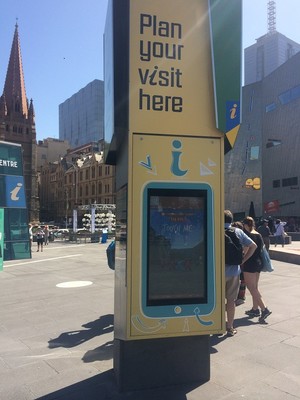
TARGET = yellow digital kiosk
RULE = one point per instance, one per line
(172, 99)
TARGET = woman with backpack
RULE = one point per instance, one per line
(251, 269)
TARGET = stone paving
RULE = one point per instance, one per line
(56, 342)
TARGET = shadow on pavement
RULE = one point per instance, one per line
(104, 324)
(104, 352)
(104, 387)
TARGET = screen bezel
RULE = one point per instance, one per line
(183, 306)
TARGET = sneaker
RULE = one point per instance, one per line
(231, 331)
(253, 313)
(264, 314)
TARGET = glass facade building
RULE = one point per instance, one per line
(81, 116)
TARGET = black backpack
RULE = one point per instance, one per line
(110, 253)
(233, 248)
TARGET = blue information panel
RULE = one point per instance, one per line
(15, 232)
(13, 192)
(178, 259)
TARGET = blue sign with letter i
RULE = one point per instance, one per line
(15, 192)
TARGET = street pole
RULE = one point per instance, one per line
(67, 206)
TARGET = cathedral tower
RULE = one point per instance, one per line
(17, 123)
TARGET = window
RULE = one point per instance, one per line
(17, 107)
(100, 170)
(290, 181)
(254, 153)
(285, 97)
(276, 183)
(100, 188)
(81, 175)
(86, 190)
(290, 95)
(87, 174)
(270, 107)
(273, 143)
(93, 172)
(93, 190)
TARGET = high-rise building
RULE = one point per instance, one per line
(81, 117)
(262, 171)
(263, 167)
(268, 53)
(17, 122)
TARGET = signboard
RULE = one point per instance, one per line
(170, 62)
(12, 192)
(176, 88)
(11, 159)
(177, 259)
(271, 206)
(13, 203)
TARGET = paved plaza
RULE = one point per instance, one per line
(56, 334)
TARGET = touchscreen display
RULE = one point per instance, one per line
(177, 246)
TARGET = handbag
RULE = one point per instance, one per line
(266, 261)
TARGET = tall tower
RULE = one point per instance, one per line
(269, 52)
(271, 16)
(17, 122)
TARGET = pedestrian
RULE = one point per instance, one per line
(232, 273)
(252, 268)
(265, 232)
(46, 232)
(279, 232)
(242, 289)
(30, 235)
(40, 235)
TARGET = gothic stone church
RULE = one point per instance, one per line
(17, 123)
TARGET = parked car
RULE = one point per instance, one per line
(60, 233)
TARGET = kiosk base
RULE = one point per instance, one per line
(145, 364)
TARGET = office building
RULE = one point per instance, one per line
(263, 168)
(81, 116)
(267, 54)
(50, 150)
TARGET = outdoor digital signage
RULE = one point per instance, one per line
(178, 229)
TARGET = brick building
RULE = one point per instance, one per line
(78, 178)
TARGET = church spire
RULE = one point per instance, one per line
(14, 88)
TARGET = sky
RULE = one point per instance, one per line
(62, 46)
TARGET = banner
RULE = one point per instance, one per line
(1, 238)
(93, 209)
(74, 220)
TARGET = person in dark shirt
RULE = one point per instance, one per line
(265, 232)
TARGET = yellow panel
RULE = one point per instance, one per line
(152, 161)
(171, 83)
(232, 135)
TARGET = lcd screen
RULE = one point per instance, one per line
(177, 246)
